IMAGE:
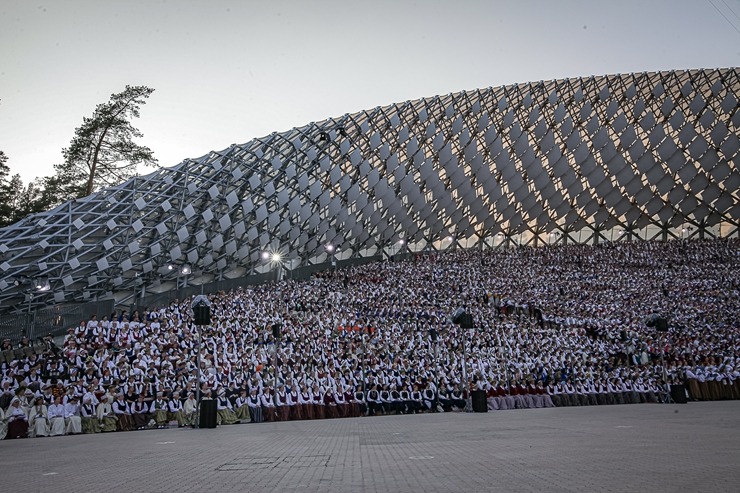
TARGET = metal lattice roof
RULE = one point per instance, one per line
(632, 150)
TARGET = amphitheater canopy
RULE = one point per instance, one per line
(541, 158)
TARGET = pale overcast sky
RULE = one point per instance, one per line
(229, 71)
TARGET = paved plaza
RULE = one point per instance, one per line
(693, 447)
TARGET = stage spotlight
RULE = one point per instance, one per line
(265, 255)
(276, 257)
(330, 248)
(185, 269)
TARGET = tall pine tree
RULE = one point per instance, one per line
(6, 210)
(102, 152)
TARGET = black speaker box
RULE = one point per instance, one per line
(480, 403)
(207, 414)
(678, 394)
(276, 328)
(202, 314)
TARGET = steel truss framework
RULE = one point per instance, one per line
(541, 158)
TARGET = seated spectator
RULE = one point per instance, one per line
(174, 411)
(72, 418)
(189, 409)
(140, 413)
(57, 425)
(158, 410)
(38, 419)
(224, 409)
(88, 415)
(106, 417)
(17, 420)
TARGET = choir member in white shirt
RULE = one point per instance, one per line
(430, 399)
(296, 410)
(305, 400)
(140, 412)
(189, 408)
(89, 417)
(123, 413)
(282, 411)
(56, 417)
(254, 401)
(225, 414)
(106, 417)
(175, 413)
(268, 404)
(242, 406)
(16, 419)
(158, 409)
(38, 419)
(72, 418)
(3, 424)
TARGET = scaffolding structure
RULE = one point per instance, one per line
(608, 158)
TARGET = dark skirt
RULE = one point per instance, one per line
(255, 414)
(282, 413)
(268, 413)
(17, 429)
(125, 422)
(332, 412)
(141, 420)
(307, 411)
(296, 412)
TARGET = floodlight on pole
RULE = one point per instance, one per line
(186, 269)
(41, 284)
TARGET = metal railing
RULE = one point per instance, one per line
(54, 320)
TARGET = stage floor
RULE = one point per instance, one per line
(692, 447)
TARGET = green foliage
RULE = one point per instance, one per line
(18, 200)
(5, 191)
(103, 152)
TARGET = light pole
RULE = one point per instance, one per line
(362, 364)
(434, 336)
(464, 321)
(202, 316)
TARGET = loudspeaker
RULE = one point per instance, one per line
(678, 394)
(462, 318)
(276, 330)
(480, 403)
(433, 334)
(207, 414)
(202, 314)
